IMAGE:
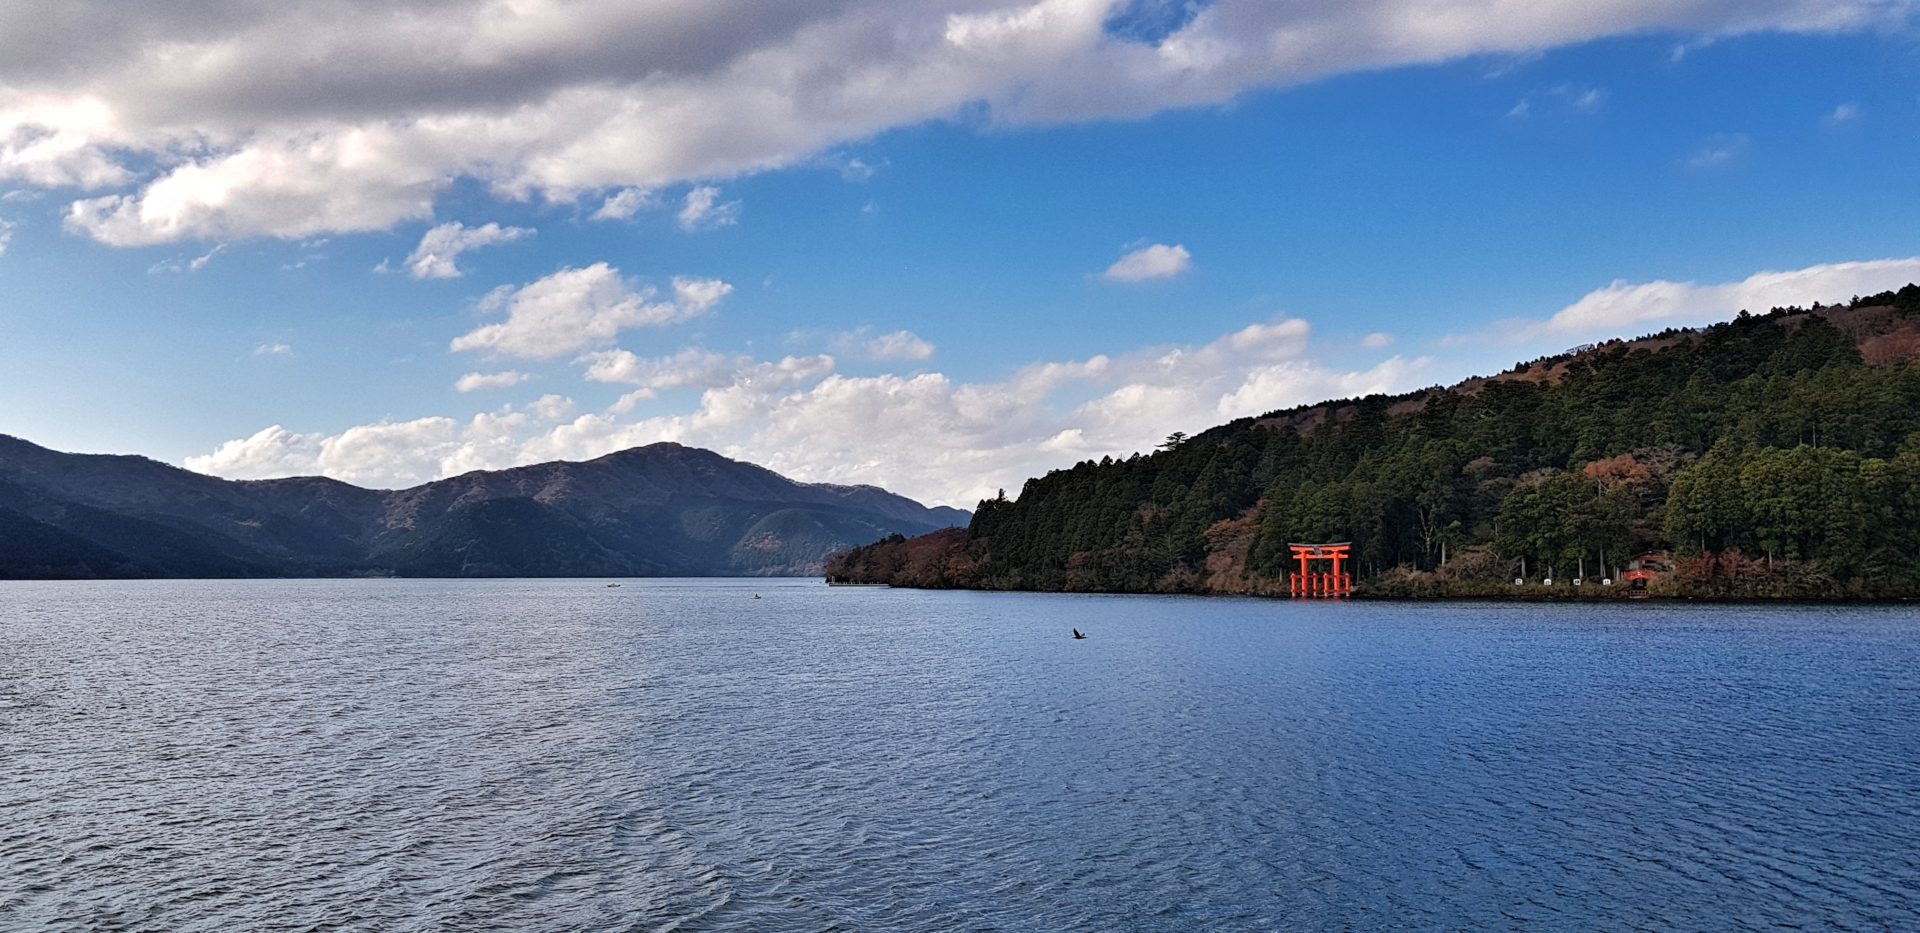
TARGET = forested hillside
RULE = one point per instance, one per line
(1774, 455)
(659, 510)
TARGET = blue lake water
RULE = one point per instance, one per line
(560, 755)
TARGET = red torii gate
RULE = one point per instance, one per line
(1309, 585)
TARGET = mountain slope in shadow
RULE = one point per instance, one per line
(663, 509)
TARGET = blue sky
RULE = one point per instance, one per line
(932, 296)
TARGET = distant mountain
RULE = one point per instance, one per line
(658, 510)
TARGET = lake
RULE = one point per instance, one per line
(676, 754)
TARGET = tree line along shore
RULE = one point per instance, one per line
(1776, 455)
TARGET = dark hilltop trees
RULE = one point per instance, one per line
(1774, 455)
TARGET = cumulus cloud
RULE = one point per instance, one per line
(925, 435)
(355, 180)
(703, 210)
(1842, 114)
(179, 121)
(697, 368)
(273, 349)
(1158, 261)
(689, 367)
(900, 345)
(438, 255)
(580, 309)
(51, 142)
(551, 408)
(481, 382)
(6, 235)
(626, 202)
(693, 297)
(1622, 308)
(1375, 341)
(1272, 387)
(383, 456)
(270, 453)
(388, 454)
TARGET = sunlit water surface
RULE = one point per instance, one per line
(563, 755)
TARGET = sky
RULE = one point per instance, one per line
(938, 246)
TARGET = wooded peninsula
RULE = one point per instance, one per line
(1773, 456)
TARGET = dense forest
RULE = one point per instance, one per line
(1776, 455)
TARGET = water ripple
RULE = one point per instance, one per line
(674, 755)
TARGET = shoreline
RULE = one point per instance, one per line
(1558, 595)
(1361, 596)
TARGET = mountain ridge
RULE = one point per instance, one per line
(660, 509)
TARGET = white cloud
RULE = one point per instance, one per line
(693, 368)
(1680, 51)
(854, 169)
(1622, 309)
(580, 309)
(689, 367)
(355, 180)
(1158, 261)
(1843, 114)
(194, 120)
(1288, 384)
(200, 262)
(623, 204)
(923, 435)
(480, 382)
(50, 140)
(386, 455)
(6, 236)
(438, 255)
(552, 408)
(273, 349)
(694, 297)
(1563, 98)
(1375, 341)
(702, 210)
(270, 453)
(195, 264)
(898, 345)
(1721, 151)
